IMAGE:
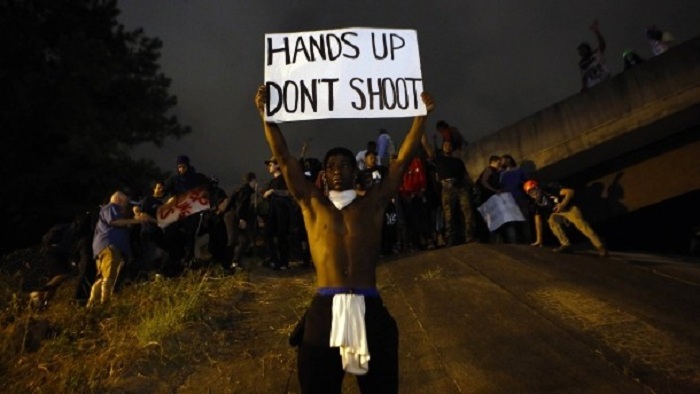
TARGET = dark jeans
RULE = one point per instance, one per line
(277, 226)
(320, 366)
(456, 205)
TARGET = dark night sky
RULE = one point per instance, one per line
(487, 64)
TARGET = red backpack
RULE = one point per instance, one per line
(414, 180)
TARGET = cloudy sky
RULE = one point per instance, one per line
(488, 63)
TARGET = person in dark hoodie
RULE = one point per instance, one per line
(183, 231)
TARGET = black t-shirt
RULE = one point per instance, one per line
(242, 203)
(371, 176)
(277, 183)
(544, 205)
(150, 205)
(449, 167)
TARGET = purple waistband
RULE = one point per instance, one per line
(329, 291)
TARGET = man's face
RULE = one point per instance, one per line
(447, 147)
(370, 160)
(158, 190)
(272, 167)
(182, 168)
(534, 193)
(340, 173)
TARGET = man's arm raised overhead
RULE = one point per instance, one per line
(290, 167)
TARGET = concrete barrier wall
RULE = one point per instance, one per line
(650, 102)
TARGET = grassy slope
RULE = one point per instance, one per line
(151, 338)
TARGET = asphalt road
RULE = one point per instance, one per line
(517, 319)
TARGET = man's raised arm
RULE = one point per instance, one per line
(408, 150)
(290, 167)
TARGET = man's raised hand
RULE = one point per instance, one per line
(428, 101)
(261, 99)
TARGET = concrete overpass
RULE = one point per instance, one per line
(631, 142)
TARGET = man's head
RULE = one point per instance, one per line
(447, 147)
(495, 161)
(183, 164)
(370, 159)
(383, 131)
(340, 169)
(441, 125)
(532, 188)
(213, 181)
(119, 198)
(250, 179)
(371, 146)
(272, 165)
(584, 49)
(507, 161)
(158, 189)
(654, 34)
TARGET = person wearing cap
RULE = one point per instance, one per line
(345, 237)
(660, 41)
(555, 205)
(111, 246)
(278, 218)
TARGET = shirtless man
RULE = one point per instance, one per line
(345, 237)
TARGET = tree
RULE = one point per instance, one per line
(79, 91)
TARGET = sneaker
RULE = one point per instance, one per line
(562, 249)
(234, 265)
(602, 251)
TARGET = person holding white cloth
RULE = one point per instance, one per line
(346, 328)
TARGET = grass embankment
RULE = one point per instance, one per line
(68, 348)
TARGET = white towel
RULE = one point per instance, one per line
(342, 199)
(348, 332)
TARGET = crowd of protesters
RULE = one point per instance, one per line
(437, 206)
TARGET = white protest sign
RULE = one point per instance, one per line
(345, 73)
(499, 209)
(186, 204)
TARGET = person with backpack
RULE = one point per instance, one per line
(414, 205)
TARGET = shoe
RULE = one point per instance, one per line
(562, 249)
(234, 265)
(602, 251)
